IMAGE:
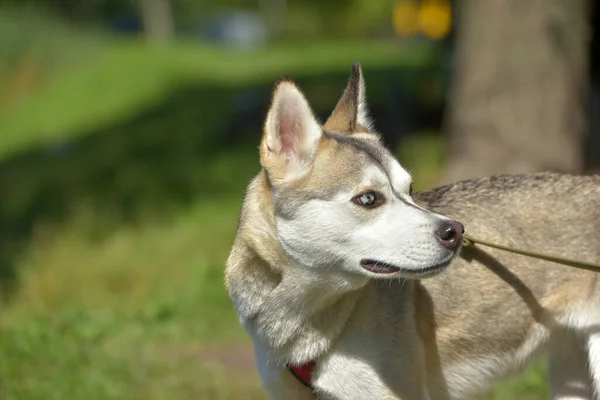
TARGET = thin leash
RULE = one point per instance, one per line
(469, 241)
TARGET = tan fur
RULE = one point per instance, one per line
(445, 337)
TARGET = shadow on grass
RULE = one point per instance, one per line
(198, 142)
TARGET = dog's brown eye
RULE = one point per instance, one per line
(368, 199)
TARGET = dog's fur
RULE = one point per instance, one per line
(295, 277)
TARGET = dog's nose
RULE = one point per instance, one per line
(450, 234)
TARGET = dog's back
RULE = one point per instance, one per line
(498, 307)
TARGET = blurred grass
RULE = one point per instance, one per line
(128, 316)
(35, 48)
(128, 76)
(108, 308)
(531, 385)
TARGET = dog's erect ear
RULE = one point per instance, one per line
(351, 113)
(291, 134)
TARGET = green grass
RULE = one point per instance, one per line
(132, 315)
(35, 48)
(531, 385)
(128, 76)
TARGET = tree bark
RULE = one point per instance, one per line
(157, 18)
(517, 103)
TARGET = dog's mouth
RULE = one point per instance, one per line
(379, 267)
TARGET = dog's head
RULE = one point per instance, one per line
(342, 201)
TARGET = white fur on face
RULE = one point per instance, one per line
(336, 234)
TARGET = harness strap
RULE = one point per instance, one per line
(471, 241)
(303, 373)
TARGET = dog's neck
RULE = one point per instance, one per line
(300, 319)
(295, 313)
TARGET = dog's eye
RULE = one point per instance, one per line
(410, 190)
(368, 199)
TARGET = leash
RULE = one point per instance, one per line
(471, 241)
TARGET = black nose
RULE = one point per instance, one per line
(450, 233)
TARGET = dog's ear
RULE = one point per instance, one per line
(291, 134)
(351, 114)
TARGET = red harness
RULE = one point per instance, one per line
(303, 373)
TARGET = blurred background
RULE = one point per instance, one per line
(129, 129)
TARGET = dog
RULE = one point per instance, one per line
(338, 264)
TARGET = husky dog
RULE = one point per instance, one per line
(338, 264)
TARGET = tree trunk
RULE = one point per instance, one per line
(517, 104)
(157, 18)
(593, 140)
